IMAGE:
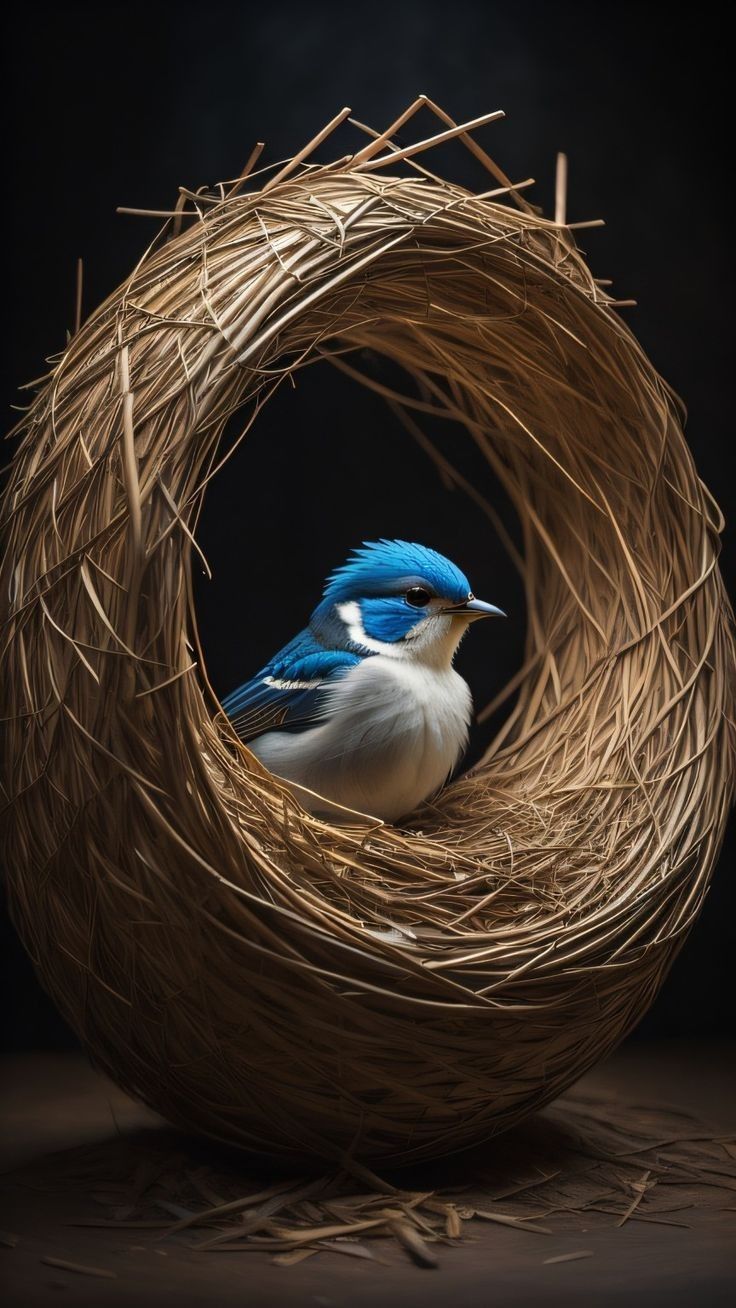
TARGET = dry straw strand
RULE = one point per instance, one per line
(359, 991)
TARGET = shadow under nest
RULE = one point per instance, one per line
(254, 973)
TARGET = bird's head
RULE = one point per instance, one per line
(401, 599)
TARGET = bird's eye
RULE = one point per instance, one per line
(418, 597)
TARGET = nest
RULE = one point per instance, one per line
(360, 990)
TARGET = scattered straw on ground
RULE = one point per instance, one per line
(587, 1163)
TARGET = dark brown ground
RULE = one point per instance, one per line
(56, 1103)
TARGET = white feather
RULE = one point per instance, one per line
(350, 614)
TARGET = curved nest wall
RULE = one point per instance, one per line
(250, 971)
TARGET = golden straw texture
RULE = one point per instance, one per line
(359, 990)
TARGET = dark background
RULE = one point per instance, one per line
(120, 104)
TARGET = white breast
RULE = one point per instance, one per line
(396, 729)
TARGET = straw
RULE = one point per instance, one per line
(357, 991)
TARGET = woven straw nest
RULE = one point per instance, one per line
(254, 973)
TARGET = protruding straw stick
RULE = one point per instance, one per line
(384, 138)
(430, 141)
(78, 300)
(479, 153)
(178, 214)
(370, 131)
(253, 158)
(561, 189)
(307, 149)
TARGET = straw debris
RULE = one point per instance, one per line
(573, 1169)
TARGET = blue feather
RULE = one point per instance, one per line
(389, 619)
(390, 566)
(287, 692)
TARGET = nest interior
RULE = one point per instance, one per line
(276, 982)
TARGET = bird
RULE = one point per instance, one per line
(363, 710)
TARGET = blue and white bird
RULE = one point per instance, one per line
(364, 707)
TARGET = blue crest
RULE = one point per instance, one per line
(387, 567)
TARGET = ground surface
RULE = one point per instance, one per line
(54, 1104)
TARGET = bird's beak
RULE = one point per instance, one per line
(475, 608)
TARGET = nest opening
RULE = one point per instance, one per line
(370, 478)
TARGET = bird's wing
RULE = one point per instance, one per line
(288, 694)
